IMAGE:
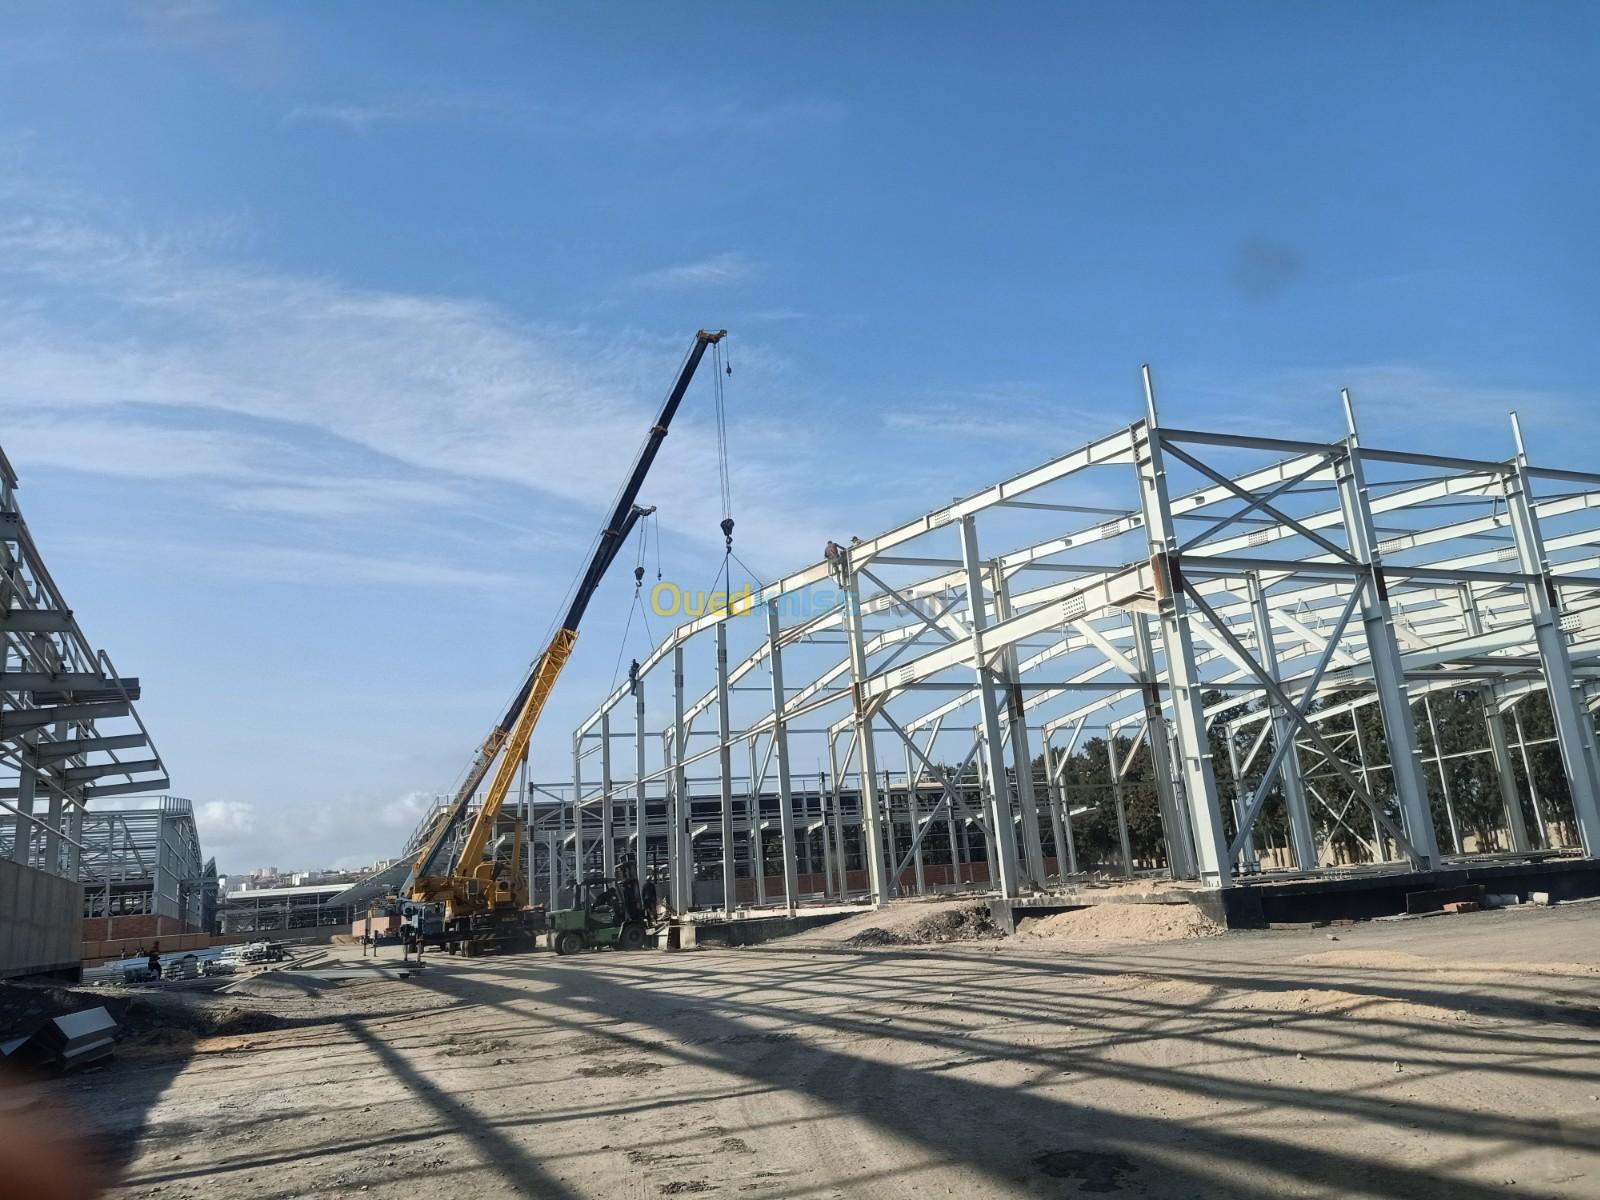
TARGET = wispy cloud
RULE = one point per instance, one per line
(1004, 410)
(668, 117)
(1393, 401)
(717, 271)
(361, 116)
(157, 354)
(255, 561)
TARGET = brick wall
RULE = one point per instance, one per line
(140, 925)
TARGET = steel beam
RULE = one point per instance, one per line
(1302, 837)
(1383, 652)
(1174, 820)
(867, 763)
(1199, 781)
(730, 898)
(1001, 835)
(1574, 727)
(780, 741)
(1021, 747)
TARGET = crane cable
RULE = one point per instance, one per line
(723, 365)
(638, 605)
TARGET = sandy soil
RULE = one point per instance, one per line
(1119, 924)
(938, 922)
(1453, 1058)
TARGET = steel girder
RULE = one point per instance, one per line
(1464, 572)
(69, 732)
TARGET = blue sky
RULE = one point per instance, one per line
(327, 330)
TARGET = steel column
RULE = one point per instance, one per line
(1174, 821)
(913, 777)
(679, 844)
(1117, 800)
(27, 776)
(1060, 816)
(866, 760)
(52, 833)
(1248, 858)
(608, 845)
(1021, 744)
(1574, 727)
(1302, 835)
(1188, 711)
(730, 874)
(753, 838)
(780, 737)
(641, 824)
(1001, 834)
(1495, 724)
(1383, 652)
(1533, 785)
(577, 806)
(1444, 776)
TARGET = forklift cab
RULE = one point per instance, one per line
(604, 912)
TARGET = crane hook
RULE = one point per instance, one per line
(727, 532)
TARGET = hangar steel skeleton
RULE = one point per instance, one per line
(1320, 567)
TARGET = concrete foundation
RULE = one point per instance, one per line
(752, 931)
(41, 918)
(1364, 896)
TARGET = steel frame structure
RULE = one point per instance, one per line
(268, 910)
(69, 732)
(1250, 589)
(148, 861)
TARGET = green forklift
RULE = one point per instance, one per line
(604, 912)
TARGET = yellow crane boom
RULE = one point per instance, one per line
(469, 885)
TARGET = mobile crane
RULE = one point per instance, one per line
(465, 901)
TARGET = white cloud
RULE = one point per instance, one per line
(1003, 411)
(1393, 402)
(309, 567)
(434, 383)
(247, 472)
(361, 116)
(225, 820)
(96, 443)
(405, 811)
(664, 117)
(718, 270)
(153, 355)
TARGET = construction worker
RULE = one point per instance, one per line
(836, 558)
(154, 962)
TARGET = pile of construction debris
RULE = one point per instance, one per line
(969, 923)
(53, 1028)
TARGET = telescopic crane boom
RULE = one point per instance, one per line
(467, 884)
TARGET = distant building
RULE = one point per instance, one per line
(143, 872)
(269, 900)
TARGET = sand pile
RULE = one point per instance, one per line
(940, 922)
(1120, 924)
(1334, 1001)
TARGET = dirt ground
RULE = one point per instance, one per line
(1452, 1057)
